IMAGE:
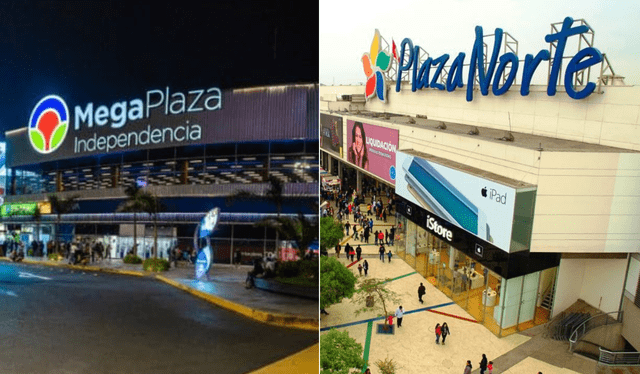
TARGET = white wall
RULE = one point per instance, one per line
(603, 283)
(570, 275)
(611, 118)
(632, 276)
(598, 282)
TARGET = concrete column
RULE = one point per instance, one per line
(330, 164)
(359, 181)
(184, 177)
(340, 170)
(59, 181)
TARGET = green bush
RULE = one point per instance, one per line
(304, 268)
(155, 264)
(132, 259)
(54, 256)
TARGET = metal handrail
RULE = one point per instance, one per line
(579, 331)
(619, 358)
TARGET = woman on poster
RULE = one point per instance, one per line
(357, 149)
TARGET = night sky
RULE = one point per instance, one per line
(108, 51)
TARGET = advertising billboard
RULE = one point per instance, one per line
(372, 148)
(477, 205)
(59, 128)
(331, 133)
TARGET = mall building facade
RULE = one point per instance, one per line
(514, 205)
(192, 149)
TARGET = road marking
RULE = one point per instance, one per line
(9, 293)
(29, 275)
(367, 345)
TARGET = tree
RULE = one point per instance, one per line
(336, 282)
(62, 206)
(152, 205)
(339, 353)
(135, 203)
(331, 233)
(375, 291)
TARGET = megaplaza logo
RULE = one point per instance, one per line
(48, 124)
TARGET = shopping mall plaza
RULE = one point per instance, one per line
(193, 149)
(514, 199)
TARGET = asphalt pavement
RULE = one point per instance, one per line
(59, 320)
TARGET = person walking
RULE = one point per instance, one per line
(355, 233)
(438, 332)
(352, 253)
(360, 269)
(399, 314)
(375, 237)
(386, 236)
(365, 267)
(389, 255)
(346, 227)
(490, 368)
(381, 251)
(483, 364)
(421, 292)
(467, 369)
(358, 252)
(380, 237)
(337, 251)
(445, 331)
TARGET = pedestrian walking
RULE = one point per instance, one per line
(358, 252)
(445, 331)
(386, 237)
(346, 227)
(355, 233)
(365, 266)
(467, 369)
(399, 314)
(421, 292)
(489, 367)
(375, 236)
(352, 253)
(438, 332)
(381, 251)
(338, 250)
(389, 255)
(380, 237)
(483, 364)
(360, 269)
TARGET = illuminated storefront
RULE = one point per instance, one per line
(192, 148)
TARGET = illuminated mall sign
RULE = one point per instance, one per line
(428, 73)
(25, 209)
(116, 126)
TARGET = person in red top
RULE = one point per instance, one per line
(438, 332)
(380, 237)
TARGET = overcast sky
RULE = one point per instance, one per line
(347, 29)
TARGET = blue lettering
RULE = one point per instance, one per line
(401, 66)
(423, 75)
(455, 73)
(561, 37)
(530, 66)
(504, 60)
(381, 88)
(416, 53)
(440, 61)
(576, 65)
(477, 60)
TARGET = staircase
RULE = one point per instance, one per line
(547, 300)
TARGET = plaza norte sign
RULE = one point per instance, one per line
(427, 73)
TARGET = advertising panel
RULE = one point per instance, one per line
(59, 128)
(479, 206)
(331, 133)
(373, 148)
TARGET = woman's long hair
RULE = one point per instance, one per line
(352, 154)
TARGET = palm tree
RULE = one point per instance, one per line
(62, 206)
(274, 194)
(299, 229)
(153, 206)
(135, 203)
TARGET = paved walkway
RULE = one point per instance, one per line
(413, 345)
(225, 288)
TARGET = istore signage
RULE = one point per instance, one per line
(435, 226)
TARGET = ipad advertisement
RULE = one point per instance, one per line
(480, 206)
(372, 148)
